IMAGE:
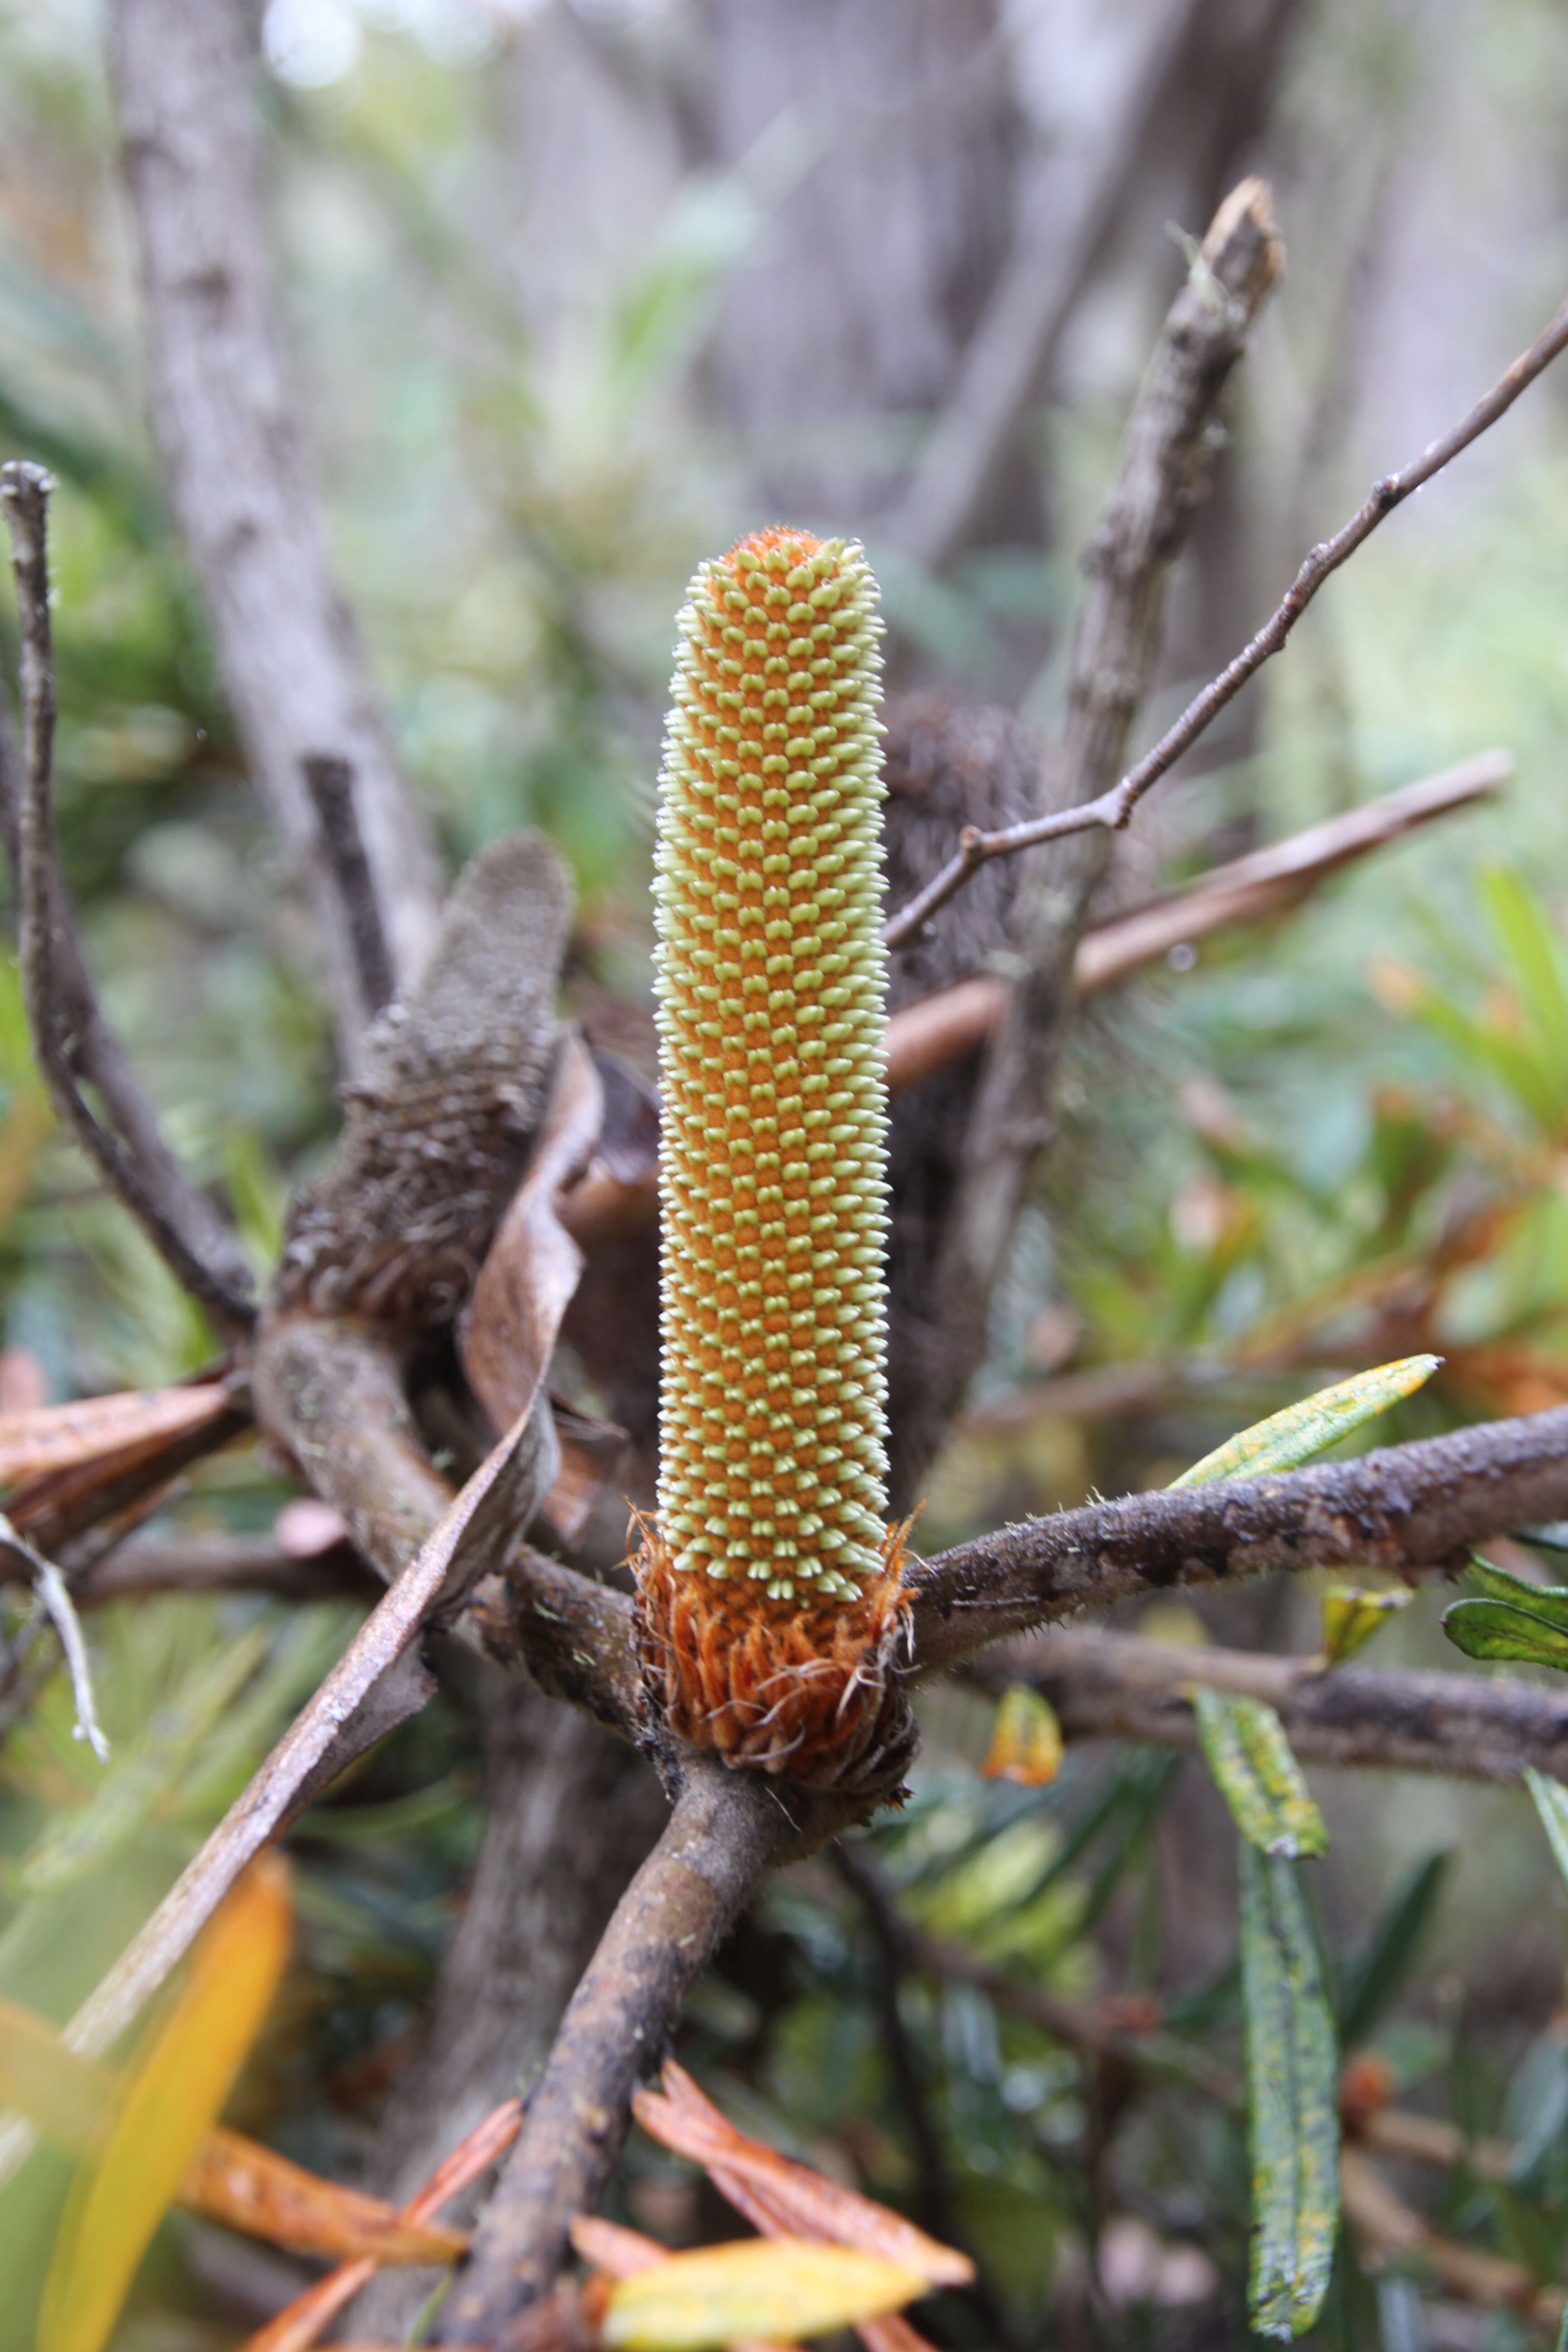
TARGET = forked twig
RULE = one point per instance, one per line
(156, 1198)
(56, 1602)
(1113, 809)
(935, 1030)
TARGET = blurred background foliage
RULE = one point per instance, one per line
(540, 262)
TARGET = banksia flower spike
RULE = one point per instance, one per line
(769, 1582)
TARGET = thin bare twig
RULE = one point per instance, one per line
(1115, 1686)
(605, 1205)
(1166, 459)
(1420, 1506)
(156, 1196)
(936, 1029)
(1113, 809)
(330, 780)
(56, 1602)
(223, 1563)
(96, 1057)
(51, 1588)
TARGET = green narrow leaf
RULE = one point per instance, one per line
(1287, 1439)
(1548, 1600)
(1491, 1629)
(1375, 1978)
(1528, 940)
(1292, 2104)
(1256, 1773)
(1552, 1804)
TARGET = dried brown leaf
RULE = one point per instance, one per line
(248, 2186)
(797, 2201)
(508, 1333)
(63, 1436)
(297, 2327)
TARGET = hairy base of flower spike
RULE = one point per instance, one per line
(817, 1697)
(769, 1586)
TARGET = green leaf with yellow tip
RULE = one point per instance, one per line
(1286, 1440)
(1026, 1739)
(1256, 1773)
(780, 2289)
(1351, 1618)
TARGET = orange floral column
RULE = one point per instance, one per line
(769, 1583)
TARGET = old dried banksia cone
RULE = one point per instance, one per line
(769, 1582)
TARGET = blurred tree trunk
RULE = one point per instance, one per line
(840, 333)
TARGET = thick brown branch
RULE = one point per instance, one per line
(330, 1389)
(1112, 1686)
(239, 479)
(1112, 808)
(54, 983)
(728, 1830)
(1417, 1505)
(575, 1638)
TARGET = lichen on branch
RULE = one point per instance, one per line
(770, 1580)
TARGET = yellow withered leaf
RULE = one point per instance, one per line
(73, 2100)
(170, 2103)
(780, 2288)
(1351, 1618)
(1026, 1739)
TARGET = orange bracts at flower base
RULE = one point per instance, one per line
(769, 1583)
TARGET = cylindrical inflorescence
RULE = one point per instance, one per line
(769, 1583)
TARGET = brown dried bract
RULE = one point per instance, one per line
(812, 1691)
